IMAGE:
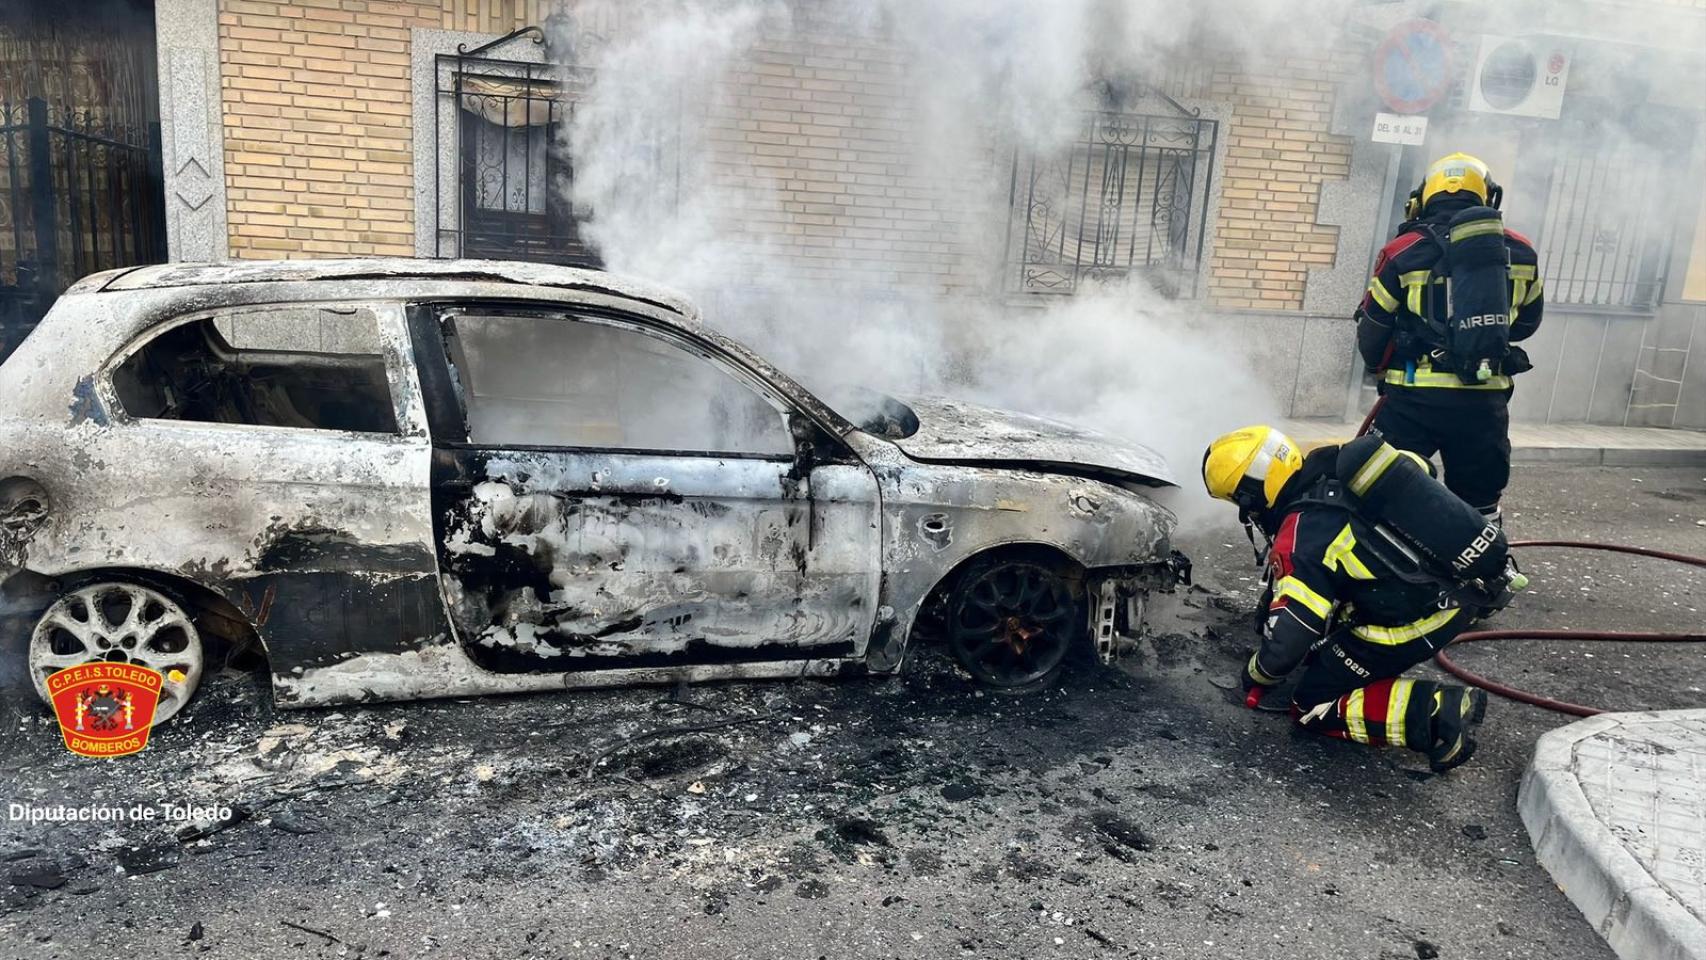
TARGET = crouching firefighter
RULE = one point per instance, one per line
(1373, 565)
(1450, 294)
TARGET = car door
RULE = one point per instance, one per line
(609, 492)
(278, 453)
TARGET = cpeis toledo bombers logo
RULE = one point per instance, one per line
(105, 709)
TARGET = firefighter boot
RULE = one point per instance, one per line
(1456, 711)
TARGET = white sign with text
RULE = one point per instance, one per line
(1400, 128)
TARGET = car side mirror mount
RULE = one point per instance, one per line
(812, 445)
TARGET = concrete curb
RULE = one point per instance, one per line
(1638, 918)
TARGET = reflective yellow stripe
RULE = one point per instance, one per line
(1298, 590)
(1355, 726)
(1428, 378)
(1421, 461)
(1439, 704)
(1378, 291)
(1533, 292)
(1395, 707)
(1258, 675)
(1524, 271)
(1476, 228)
(1392, 636)
(1414, 277)
(1373, 469)
(1340, 556)
(1519, 289)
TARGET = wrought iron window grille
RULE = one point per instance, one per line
(1127, 197)
(513, 177)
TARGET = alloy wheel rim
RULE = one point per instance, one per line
(120, 623)
(1014, 625)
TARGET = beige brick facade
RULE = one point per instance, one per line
(1279, 153)
(318, 136)
(324, 117)
(319, 152)
(815, 133)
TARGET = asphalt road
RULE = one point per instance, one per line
(1133, 813)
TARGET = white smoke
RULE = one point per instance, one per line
(979, 79)
(638, 138)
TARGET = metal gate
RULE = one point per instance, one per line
(1605, 239)
(1129, 195)
(77, 195)
(513, 175)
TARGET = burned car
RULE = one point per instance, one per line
(399, 479)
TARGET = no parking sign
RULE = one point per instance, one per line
(1412, 66)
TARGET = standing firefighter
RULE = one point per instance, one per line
(1450, 293)
(1373, 566)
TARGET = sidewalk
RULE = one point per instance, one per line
(1616, 808)
(1575, 443)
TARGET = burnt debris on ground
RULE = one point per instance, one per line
(1136, 811)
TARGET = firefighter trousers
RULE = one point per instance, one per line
(1469, 429)
(1352, 689)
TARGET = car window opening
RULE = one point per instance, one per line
(546, 381)
(300, 368)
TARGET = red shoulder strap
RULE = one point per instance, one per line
(1279, 557)
(1396, 246)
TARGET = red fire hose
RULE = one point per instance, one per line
(1374, 411)
(1522, 696)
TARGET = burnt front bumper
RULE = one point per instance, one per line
(1120, 596)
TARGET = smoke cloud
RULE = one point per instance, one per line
(683, 151)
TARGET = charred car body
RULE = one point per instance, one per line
(405, 479)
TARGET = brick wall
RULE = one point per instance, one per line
(316, 96)
(814, 130)
(817, 135)
(1279, 152)
(318, 142)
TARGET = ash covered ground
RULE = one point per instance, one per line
(1136, 812)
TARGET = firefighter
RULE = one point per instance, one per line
(1343, 603)
(1450, 294)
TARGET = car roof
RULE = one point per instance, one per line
(386, 268)
(67, 325)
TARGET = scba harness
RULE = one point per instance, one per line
(1467, 336)
(1426, 534)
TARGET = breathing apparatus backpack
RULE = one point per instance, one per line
(1426, 534)
(1470, 336)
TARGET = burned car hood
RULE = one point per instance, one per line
(952, 431)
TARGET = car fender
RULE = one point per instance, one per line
(938, 516)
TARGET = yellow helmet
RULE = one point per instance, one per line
(1249, 467)
(1457, 173)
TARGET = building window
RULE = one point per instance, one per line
(1605, 237)
(513, 174)
(1128, 196)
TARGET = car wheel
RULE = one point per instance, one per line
(122, 623)
(1012, 623)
